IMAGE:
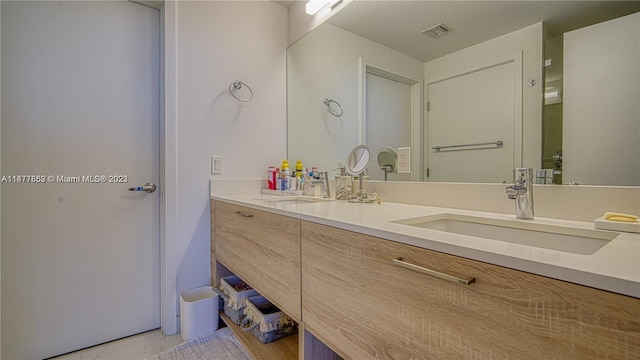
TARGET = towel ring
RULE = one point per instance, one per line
(337, 112)
(234, 90)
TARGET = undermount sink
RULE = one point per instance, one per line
(560, 238)
(293, 200)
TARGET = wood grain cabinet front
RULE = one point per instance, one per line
(263, 249)
(365, 305)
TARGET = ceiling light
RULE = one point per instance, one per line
(334, 3)
(313, 6)
(436, 31)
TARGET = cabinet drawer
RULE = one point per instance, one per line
(264, 250)
(368, 307)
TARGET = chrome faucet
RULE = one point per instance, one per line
(324, 182)
(522, 192)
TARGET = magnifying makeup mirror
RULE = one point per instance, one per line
(357, 162)
(387, 160)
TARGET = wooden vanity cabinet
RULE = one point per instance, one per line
(261, 248)
(349, 294)
(365, 306)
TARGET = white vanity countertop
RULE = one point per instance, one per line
(615, 267)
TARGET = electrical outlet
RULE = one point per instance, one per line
(404, 160)
(216, 164)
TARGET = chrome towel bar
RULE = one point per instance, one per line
(497, 144)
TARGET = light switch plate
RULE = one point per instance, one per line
(216, 164)
(404, 160)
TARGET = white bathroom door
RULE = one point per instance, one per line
(80, 125)
(468, 113)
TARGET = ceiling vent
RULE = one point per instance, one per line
(436, 31)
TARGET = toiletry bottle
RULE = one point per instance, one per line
(307, 188)
(299, 175)
(283, 179)
(271, 178)
(286, 177)
(299, 168)
(278, 180)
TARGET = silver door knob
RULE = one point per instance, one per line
(148, 188)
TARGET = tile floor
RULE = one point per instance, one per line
(136, 347)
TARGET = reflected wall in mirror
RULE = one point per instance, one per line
(481, 83)
(331, 63)
(552, 116)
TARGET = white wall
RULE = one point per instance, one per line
(327, 63)
(601, 110)
(527, 40)
(218, 42)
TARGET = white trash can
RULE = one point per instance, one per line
(199, 312)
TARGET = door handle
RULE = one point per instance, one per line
(148, 188)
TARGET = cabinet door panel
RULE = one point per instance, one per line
(356, 298)
(264, 250)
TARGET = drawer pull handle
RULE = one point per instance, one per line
(243, 214)
(439, 275)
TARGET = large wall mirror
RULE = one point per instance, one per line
(473, 89)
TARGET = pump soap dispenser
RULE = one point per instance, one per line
(344, 182)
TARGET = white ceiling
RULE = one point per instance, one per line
(398, 24)
(285, 3)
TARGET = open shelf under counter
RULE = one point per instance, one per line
(282, 349)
